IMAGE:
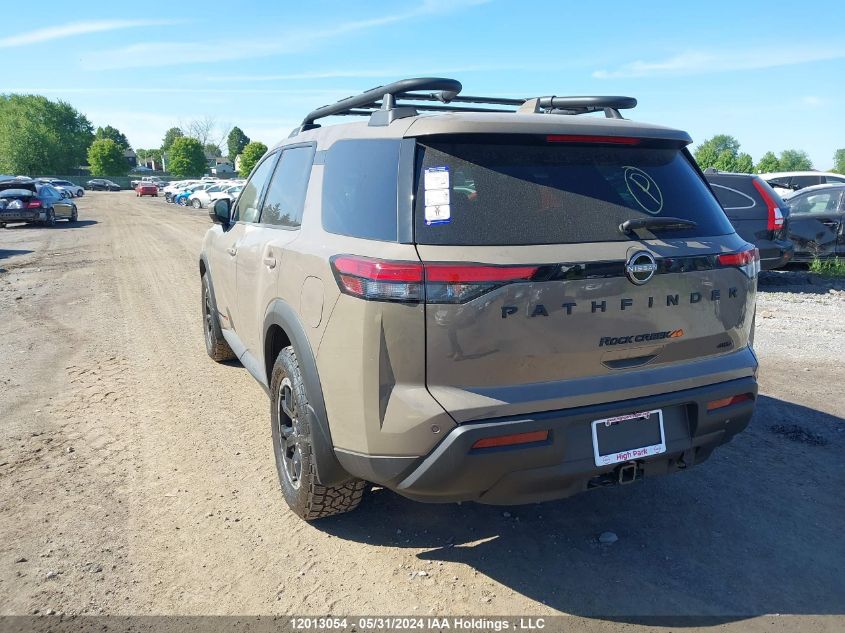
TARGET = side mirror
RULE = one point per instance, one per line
(220, 212)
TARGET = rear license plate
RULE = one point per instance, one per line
(628, 437)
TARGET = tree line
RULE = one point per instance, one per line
(722, 152)
(39, 136)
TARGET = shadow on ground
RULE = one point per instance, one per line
(755, 530)
(800, 281)
(12, 252)
(60, 224)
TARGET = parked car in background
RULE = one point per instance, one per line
(177, 187)
(29, 201)
(758, 214)
(73, 190)
(786, 183)
(204, 197)
(817, 222)
(146, 189)
(182, 197)
(156, 180)
(101, 184)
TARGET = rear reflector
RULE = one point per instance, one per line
(581, 138)
(380, 280)
(726, 402)
(775, 214)
(511, 440)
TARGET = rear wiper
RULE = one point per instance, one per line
(660, 224)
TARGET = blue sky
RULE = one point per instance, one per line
(770, 73)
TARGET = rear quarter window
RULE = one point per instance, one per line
(512, 191)
(731, 198)
(360, 189)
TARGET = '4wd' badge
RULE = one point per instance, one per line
(640, 268)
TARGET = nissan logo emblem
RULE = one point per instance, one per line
(640, 268)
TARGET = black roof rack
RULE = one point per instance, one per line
(400, 99)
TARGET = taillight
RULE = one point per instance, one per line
(459, 283)
(748, 261)
(33, 204)
(583, 138)
(775, 214)
(726, 402)
(381, 280)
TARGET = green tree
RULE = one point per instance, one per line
(141, 155)
(106, 158)
(250, 156)
(39, 136)
(235, 142)
(768, 163)
(795, 160)
(211, 149)
(744, 164)
(720, 152)
(114, 134)
(171, 135)
(186, 158)
(839, 161)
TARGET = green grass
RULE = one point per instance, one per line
(833, 267)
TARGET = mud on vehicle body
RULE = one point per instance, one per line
(505, 301)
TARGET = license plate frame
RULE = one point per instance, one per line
(633, 453)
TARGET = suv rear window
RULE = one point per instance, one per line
(505, 191)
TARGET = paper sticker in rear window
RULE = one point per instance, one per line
(437, 196)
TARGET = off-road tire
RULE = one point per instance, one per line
(216, 346)
(304, 494)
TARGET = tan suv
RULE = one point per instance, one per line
(472, 298)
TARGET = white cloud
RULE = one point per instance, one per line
(813, 101)
(73, 29)
(152, 54)
(698, 62)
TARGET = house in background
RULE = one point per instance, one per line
(222, 167)
(131, 158)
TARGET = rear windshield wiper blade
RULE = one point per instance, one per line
(660, 224)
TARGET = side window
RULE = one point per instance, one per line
(285, 197)
(247, 209)
(836, 180)
(731, 198)
(826, 202)
(800, 182)
(360, 189)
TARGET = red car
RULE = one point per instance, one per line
(146, 189)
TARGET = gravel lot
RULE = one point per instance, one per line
(136, 476)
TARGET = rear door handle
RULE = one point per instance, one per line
(270, 262)
(232, 251)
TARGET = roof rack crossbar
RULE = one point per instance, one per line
(382, 103)
(446, 89)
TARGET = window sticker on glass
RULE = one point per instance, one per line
(437, 197)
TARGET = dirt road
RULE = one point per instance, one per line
(136, 476)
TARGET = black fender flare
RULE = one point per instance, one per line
(329, 470)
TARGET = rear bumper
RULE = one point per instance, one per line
(22, 215)
(775, 253)
(564, 464)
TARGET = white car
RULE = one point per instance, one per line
(203, 197)
(65, 187)
(786, 183)
(177, 187)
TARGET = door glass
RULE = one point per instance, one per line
(246, 209)
(285, 197)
